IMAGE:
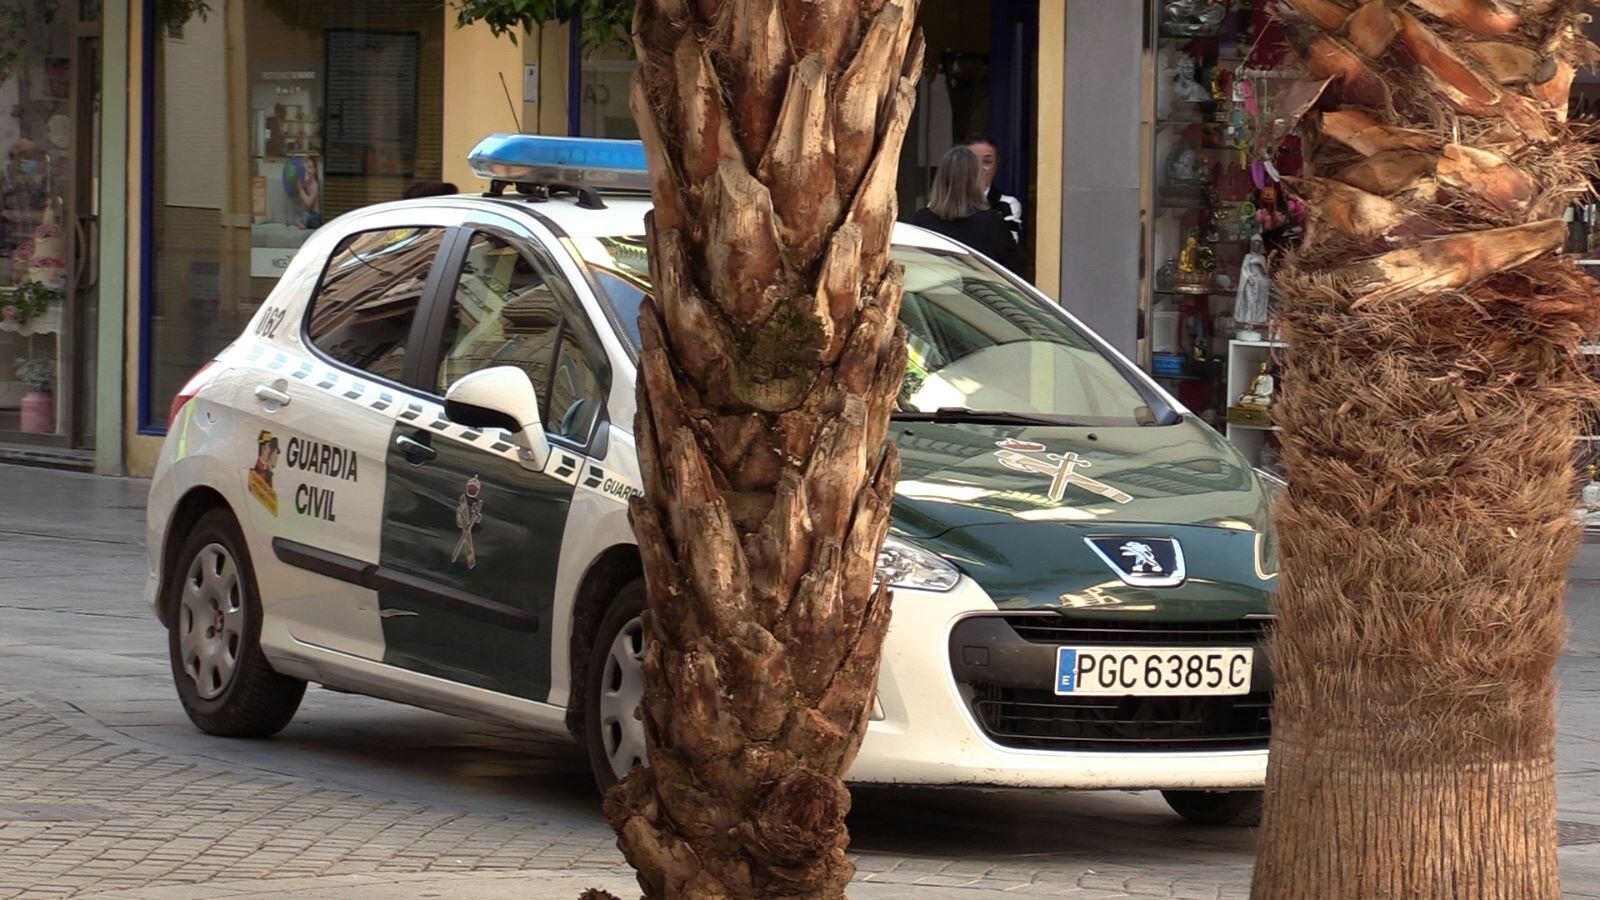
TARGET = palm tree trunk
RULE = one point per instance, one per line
(1429, 410)
(771, 356)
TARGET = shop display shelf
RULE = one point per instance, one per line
(1198, 291)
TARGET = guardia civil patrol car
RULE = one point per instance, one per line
(408, 478)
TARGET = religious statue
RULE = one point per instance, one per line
(1195, 258)
(1262, 386)
(1196, 263)
(1192, 18)
(1591, 491)
(1186, 86)
(1254, 406)
(1184, 168)
(1250, 305)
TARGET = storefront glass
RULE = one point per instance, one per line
(271, 117)
(603, 77)
(49, 81)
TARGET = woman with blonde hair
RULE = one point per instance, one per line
(958, 210)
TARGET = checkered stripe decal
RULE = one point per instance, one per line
(565, 465)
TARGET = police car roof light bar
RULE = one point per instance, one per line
(546, 161)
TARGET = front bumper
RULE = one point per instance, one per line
(927, 733)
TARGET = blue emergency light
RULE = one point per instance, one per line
(534, 159)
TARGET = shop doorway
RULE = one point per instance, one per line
(49, 133)
(979, 77)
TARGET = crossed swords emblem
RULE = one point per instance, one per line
(1063, 470)
(469, 512)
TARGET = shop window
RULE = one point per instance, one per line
(363, 309)
(48, 84)
(271, 118)
(602, 96)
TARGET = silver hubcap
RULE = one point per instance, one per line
(211, 620)
(621, 690)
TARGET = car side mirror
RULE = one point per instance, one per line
(500, 397)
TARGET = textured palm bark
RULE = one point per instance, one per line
(1429, 407)
(771, 357)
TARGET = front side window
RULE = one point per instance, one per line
(976, 341)
(362, 311)
(512, 309)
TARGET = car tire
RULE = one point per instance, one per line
(1235, 808)
(613, 688)
(223, 679)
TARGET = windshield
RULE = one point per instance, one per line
(980, 348)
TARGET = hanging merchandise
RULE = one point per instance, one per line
(1225, 152)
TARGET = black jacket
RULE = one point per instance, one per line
(984, 231)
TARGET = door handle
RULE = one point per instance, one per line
(270, 395)
(416, 452)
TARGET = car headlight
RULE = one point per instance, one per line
(1267, 542)
(906, 565)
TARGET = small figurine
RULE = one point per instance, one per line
(1184, 169)
(1591, 491)
(1192, 18)
(1262, 387)
(1167, 275)
(1196, 258)
(1185, 85)
(1250, 305)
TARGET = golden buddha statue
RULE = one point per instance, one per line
(1196, 257)
(1262, 387)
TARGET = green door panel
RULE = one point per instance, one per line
(510, 561)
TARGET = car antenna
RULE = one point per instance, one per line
(510, 105)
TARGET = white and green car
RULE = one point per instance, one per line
(408, 478)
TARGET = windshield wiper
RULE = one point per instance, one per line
(962, 414)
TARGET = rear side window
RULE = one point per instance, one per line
(362, 312)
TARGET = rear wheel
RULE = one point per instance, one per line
(223, 679)
(1242, 808)
(613, 728)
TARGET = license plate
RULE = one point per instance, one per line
(1153, 671)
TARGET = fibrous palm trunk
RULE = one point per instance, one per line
(1430, 390)
(771, 357)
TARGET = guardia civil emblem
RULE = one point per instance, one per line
(469, 512)
(1063, 469)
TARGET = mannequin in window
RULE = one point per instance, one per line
(957, 209)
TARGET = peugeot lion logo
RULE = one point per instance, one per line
(1141, 561)
(1144, 558)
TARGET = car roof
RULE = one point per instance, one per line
(623, 215)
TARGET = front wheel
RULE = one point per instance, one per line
(614, 688)
(1237, 808)
(213, 640)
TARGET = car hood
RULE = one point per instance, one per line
(994, 501)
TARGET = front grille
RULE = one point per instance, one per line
(1061, 631)
(1013, 703)
(1041, 720)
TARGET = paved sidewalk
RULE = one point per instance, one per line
(82, 813)
(106, 790)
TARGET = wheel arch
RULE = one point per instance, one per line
(196, 502)
(613, 569)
